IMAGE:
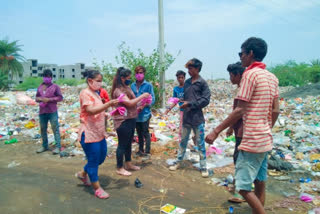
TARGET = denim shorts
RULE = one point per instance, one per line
(250, 167)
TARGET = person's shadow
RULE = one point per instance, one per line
(107, 183)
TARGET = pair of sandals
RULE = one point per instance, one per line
(99, 193)
(236, 198)
(125, 171)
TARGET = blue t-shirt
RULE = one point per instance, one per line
(178, 92)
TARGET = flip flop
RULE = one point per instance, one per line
(100, 193)
(133, 168)
(125, 173)
(85, 180)
(236, 199)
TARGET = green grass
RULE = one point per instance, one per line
(34, 82)
(29, 83)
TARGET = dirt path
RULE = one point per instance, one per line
(46, 184)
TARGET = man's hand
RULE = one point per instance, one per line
(210, 138)
(184, 105)
(229, 132)
(45, 99)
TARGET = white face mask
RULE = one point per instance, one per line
(95, 85)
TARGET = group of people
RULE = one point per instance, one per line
(255, 111)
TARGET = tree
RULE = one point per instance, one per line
(10, 58)
(131, 60)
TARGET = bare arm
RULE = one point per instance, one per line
(130, 103)
(170, 108)
(100, 108)
(275, 110)
(235, 115)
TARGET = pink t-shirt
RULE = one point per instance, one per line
(92, 125)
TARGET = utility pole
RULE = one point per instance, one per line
(161, 54)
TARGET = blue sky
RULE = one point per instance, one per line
(71, 31)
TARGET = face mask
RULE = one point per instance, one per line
(139, 77)
(127, 82)
(47, 80)
(94, 85)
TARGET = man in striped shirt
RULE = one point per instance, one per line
(258, 106)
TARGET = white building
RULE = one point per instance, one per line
(31, 68)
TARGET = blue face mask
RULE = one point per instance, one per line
(127, 82)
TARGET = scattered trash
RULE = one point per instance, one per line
(13, 140)
(13, 164)
(138, 183)
(171, 209)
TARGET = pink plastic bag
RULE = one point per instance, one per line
(146, 101)
(120, 98)
(120, 110)
(213, 149)
(306, 198)
(23, 99)
(173, 100)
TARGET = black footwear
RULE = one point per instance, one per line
(138, 183)
(140, 154)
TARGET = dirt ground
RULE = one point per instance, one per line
(44, 183)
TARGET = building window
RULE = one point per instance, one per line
(54, 69)
(34, 71)
(30, 68)
(73, 76)
(54, 76)
(40, 68)
(72, 69)
(20, 81)
(30, 74)
(34, 63)
(82, 66)
(39, 75)
(63, 76)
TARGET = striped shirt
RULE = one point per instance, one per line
(259, 88)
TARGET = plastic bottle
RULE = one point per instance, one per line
(13, 140)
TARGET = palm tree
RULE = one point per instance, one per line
(10, 58)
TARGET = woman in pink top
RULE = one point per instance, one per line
(125, 124)
(92, 131)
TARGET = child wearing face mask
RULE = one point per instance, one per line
(142, 122)
(48, 95)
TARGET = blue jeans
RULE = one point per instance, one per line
(44, 119)
(96, 154)
(199, 135)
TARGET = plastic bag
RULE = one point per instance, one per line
(120, 110)
(23, 99)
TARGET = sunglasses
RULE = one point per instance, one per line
(240, 54)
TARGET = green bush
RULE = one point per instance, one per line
(131, 60)
(29, 83)
(293, 74)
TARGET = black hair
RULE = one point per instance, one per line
(180, 73)
(140, 67)
(258, 46)
(235, 68)
(47, 73)
(194, 62)
(91, 74)
(117, 83)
